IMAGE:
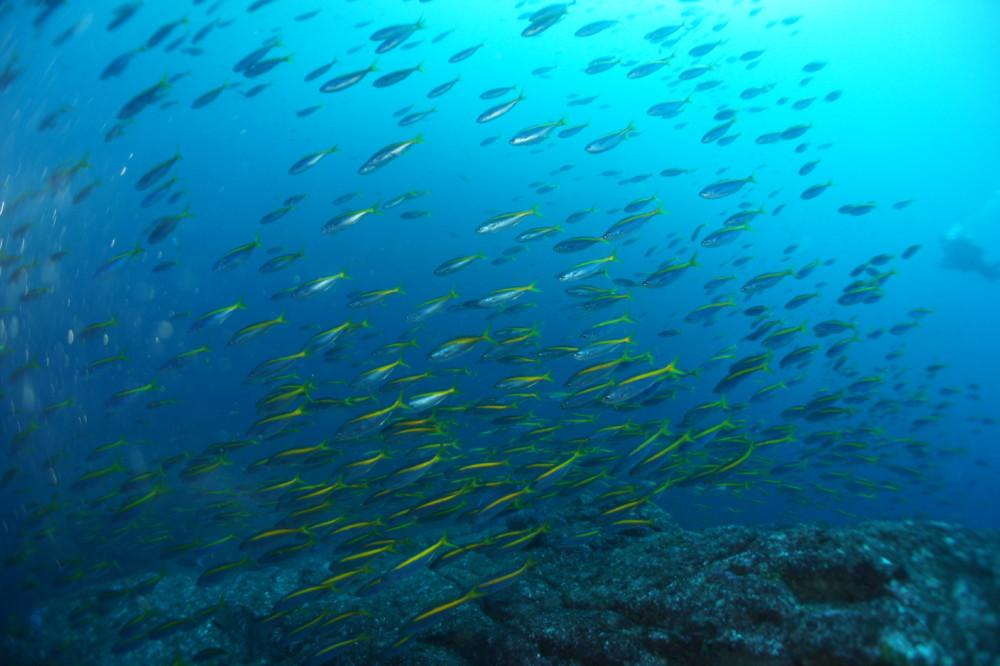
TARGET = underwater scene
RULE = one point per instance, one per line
(499, 332)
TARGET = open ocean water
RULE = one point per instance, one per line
(330, 294)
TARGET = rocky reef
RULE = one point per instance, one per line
(878, 593)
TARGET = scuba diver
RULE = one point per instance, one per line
(961, 254)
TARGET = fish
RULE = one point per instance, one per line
(122, 14)
(162, 227)
(117, 66)
(308, 111)
(415, 117)
(493, 93)
(252, 332)
(669, 108)
(281, 262)
(646, 69)
(85, 191)
(832, 327)
(349, 219)
(707, 311)
(531, 136)
(465, 53)
(430, 308)
(630, 225)
(157, 172)
(370, 298)
(670, 273)
(800, 300)
(694, 72)
(504, 296)
(703, 49)
(458, 346)
(392, 78)
(123, 399)
(857, 209)
(386, 155)
(317, 286)
(215, 318)
(595, 27)
(661, 33)
(457, 264)
(236, 257)
(537, 234)
(586, 269)
(209, 97)
(815, 191)
(319, 71)
(764, 281)
(609, 141)
(256, 55)
(725, 188)
(599, 65)
(572, 131)
(163, 32)
(794, 132)
(441, 89)
(499, 223)
(263, 66)
(637, 385)
(403, 198)
(275, 215)
(716, 133)
(256, 90)
(577, 244)
(158, 193)
(544, 19)
(579, 216)
(309, 161)
(115, 263)
(345, 81)
(724, 236)
(184, 359)
(808, 167)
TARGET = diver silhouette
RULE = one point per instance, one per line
(961, 254)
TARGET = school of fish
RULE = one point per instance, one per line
(384, 427)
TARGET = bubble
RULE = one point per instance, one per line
(165, 330)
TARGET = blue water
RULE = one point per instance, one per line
(915, 121)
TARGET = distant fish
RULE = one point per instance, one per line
(209, 97)
(815, 191)
(595, 27)
(465, 53)
(725, 188)
(308, 111)
(392, 78)
(320, 71)
(163, 32)
(123, 13)
(599, 65)
(645, 70)
(439, 90)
